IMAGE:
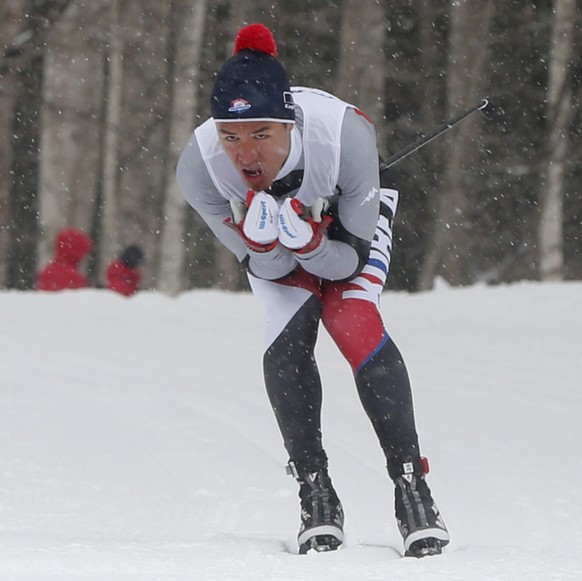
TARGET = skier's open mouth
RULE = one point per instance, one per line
(254, 177)
(252, 173)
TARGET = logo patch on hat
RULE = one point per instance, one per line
(239, 105)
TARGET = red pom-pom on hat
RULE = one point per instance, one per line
(255, 37)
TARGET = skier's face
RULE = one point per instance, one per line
(258, 149)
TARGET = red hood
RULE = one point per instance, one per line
(72, 246)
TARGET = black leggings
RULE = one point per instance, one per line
(295, 392)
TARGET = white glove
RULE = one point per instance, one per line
(260, 222)
(294, 231)
(302, 229)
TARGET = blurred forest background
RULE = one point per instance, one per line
(98, 97)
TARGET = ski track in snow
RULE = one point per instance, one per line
(137, 442)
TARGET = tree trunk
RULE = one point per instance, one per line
(26, 25)
(361, 66)
(551, 251)
(143, 132)
(108, 233)
(187, 31)
(12, 15)
(7, 113)
(448, 253)
(23, 209)
(70, 126)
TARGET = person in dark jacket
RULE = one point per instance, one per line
(62, 272)
(123, 275)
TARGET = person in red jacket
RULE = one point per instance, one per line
(62, 272)
(122, 274)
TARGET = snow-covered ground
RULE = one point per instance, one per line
(137, 443)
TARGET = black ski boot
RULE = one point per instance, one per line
(418, 517)
(322, 515)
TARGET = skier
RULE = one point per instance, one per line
(288, 179)
(62, 272)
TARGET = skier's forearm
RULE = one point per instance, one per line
(332, 260)
(271, 265)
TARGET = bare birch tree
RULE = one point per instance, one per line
(448, 253)
(70, 125)
(361, 68)
(558, 116)
(23, 59)
(187, 29)
(136, 140)
(113, 80)
(12, 31)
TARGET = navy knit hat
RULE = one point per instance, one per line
(252, 84)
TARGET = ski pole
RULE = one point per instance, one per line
(485, 106)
